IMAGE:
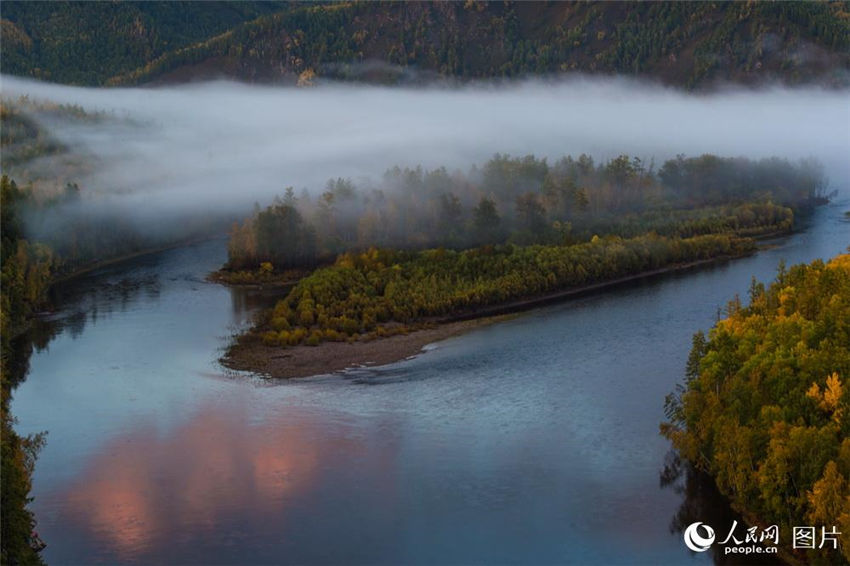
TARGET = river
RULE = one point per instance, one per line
(531, 441)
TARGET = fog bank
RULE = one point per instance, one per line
(223, 145)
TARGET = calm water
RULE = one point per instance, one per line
(530, 441)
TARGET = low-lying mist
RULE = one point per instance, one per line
(221, 146)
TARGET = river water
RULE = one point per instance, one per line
(531, 441)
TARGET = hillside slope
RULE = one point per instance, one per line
(685, 44)
(88, 42)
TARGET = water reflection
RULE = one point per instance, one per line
(114, 287)
(119, 499)
(248, 300)
(83, 300)
(701, 501)
(127, 286)
(37, 337)
(150, 494)
(532, 441)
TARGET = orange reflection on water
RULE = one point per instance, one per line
(148, 486)
(116, 497)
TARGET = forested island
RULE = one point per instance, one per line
(764, 405)
(383, 293)
(526, 200)
(513, 234)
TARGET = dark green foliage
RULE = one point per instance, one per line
(277, 235)
(89, 42)
(26, 267)
(16, 522)
(25, 276)
(765, 404)
(486, 222)
(713, 179)
(530, 215)
(283, 238)
(684, 43)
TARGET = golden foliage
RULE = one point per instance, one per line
(757, 412)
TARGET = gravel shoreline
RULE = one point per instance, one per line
(250, 354)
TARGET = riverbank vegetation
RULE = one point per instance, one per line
(26, 272)
(264, 276)
(50, 229)
(527, 200)
(764, 406)
(26, 267)
(382, 292)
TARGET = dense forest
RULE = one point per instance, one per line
(382, 292)
(525, 200)
(689, 44)
(764, 407)
(88, 42)
(26, 274)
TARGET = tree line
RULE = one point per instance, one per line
(527, 200)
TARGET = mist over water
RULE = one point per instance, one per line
(492, 447)
(222, 145)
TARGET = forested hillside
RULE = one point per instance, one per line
(88, 42)
(764, 406)
(688, 44)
